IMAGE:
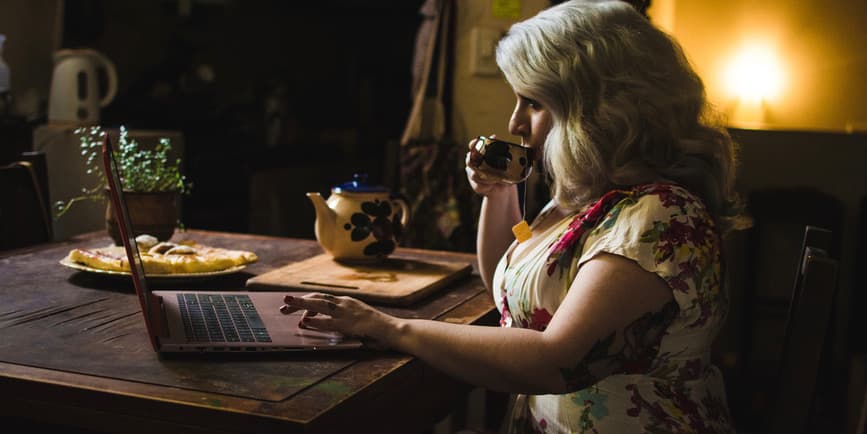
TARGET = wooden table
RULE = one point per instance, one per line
(58, 380)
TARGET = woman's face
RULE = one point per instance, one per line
(531, 121)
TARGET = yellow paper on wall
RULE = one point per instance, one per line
(509, 9)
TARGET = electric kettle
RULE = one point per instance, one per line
(75, 91)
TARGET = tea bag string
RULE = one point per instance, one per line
(522, 230)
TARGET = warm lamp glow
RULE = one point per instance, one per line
(755, 74)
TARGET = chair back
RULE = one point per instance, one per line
(752, 344)
(24, 216)
(806, 347)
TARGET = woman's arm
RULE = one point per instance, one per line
(611, 297)
(499, 213)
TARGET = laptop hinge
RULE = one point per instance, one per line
(158, 316)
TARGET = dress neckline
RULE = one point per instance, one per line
(547, 212)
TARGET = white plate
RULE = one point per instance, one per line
(81, 267)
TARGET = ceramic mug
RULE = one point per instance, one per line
(497, 160)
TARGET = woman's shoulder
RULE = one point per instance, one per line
(647, 208)
(666, 201)
(668, 195)
(662, 226)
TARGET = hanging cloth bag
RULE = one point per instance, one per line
(432, 176)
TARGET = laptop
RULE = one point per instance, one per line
(220, 321)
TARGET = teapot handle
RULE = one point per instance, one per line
(404, 207)
(111, 85)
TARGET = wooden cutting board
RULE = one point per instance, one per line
(399, 281)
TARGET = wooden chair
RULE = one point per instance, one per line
(24, 213)
(771, 254)
(861, 428)
(802, 390)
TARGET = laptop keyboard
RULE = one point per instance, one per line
(221, 318)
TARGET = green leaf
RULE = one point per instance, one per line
(141, 170)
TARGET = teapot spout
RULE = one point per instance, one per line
(326, 218)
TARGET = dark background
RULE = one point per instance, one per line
(274, 98)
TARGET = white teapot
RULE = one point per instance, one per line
(359, 222)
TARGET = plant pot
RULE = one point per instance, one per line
(154, 214)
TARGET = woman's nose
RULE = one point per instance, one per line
(517, 125)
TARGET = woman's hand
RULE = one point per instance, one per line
(344, 315)
(478, 183)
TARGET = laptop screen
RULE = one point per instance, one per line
(121, 212)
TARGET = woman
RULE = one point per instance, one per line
(609, 309)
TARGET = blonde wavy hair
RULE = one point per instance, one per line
(627, 107)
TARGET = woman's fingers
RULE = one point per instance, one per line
(472, 143)
(345, 315)
(310, 320)
(315, 302)
(311, 305)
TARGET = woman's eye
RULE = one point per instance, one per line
(533, 104)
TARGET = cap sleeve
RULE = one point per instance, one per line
(667, 231)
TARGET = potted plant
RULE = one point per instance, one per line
(152, 183)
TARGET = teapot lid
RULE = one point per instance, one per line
(359, 185)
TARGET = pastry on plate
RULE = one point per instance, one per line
(183, 257)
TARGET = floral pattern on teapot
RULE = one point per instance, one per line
(383, 229)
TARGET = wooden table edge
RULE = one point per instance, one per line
(149, 399)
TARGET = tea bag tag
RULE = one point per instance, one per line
(522, 231)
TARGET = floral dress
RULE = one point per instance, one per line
(666, 230)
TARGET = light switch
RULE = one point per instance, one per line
(483, 51)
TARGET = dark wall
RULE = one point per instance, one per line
(257, 86)
(828, 162)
